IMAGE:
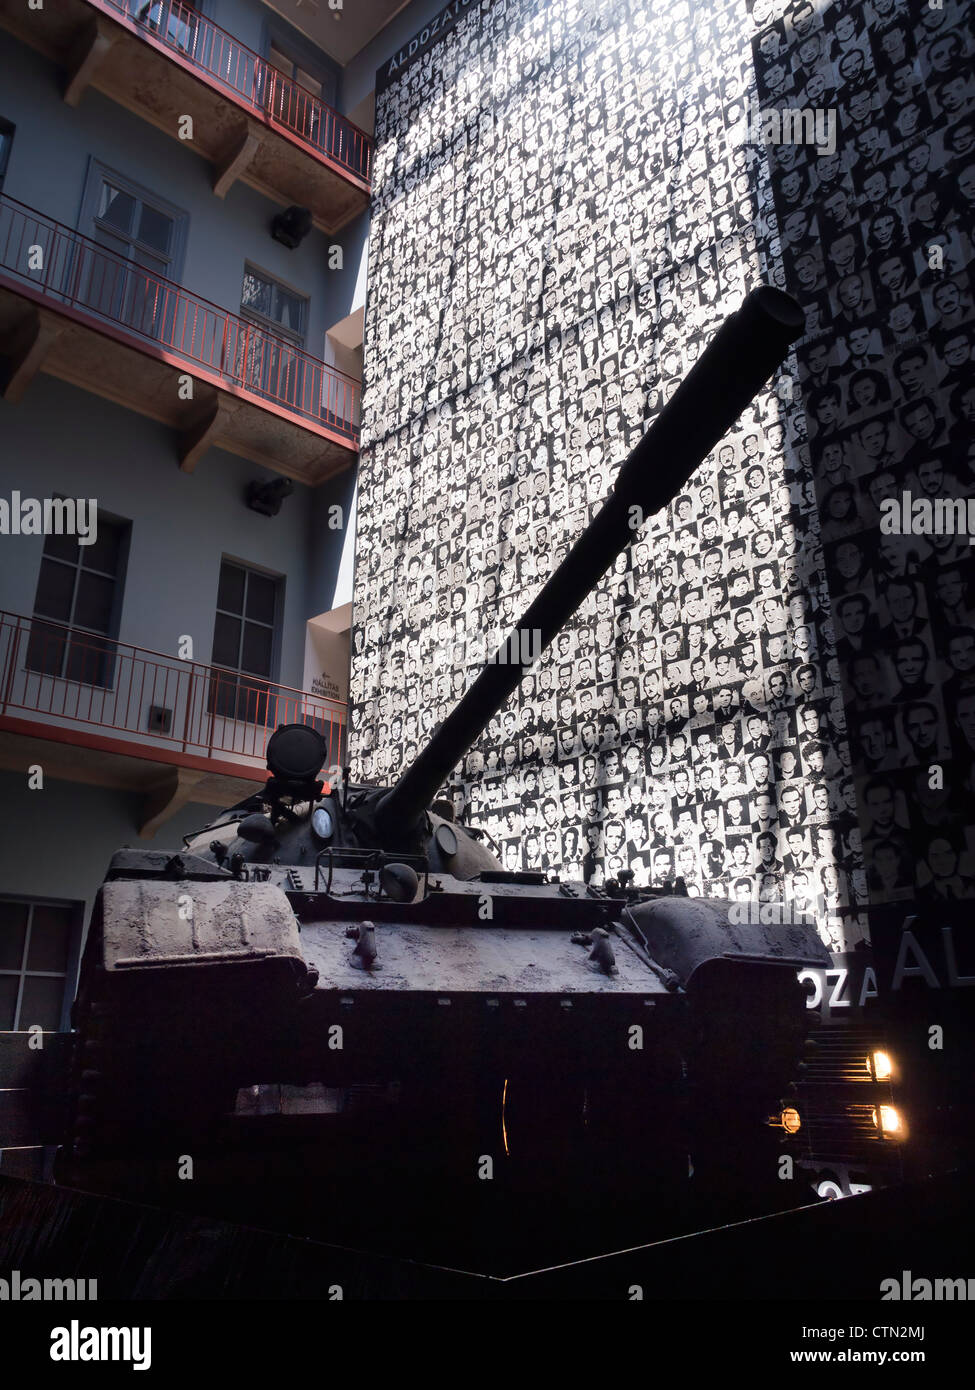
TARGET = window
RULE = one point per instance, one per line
(79, 588)
(283, 61)
(296, 101)
(265, 362)
(245, 635)
(264, 299)
(143, 236)
(6, 142)
(39, 948)
(181, 21)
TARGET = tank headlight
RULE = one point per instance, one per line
(789, 1120)
(888, 1120)
(881, 1067)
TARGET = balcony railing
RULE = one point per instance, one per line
(62, 266)
(224, 61)
(68, 681)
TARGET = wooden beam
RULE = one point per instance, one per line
(194, 441)
(234, 164)
(168, 797)
(94, 47)
(25, 350)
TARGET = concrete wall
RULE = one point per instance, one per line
(58, 841)
(62, 439)
(328, 557)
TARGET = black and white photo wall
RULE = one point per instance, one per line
(876, 235)
(568, 199)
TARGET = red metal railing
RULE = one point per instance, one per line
(225, 61)
(67, 679)
(70, 268)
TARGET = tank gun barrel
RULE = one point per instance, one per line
(736, 364)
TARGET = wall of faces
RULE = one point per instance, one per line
(877, 241)
(566, 205)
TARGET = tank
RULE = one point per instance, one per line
(335, 993)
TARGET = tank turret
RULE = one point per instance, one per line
(344, 971)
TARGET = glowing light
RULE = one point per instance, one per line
(504, 1130)
(887, 1119)
(881, 1066)
(790, 1121)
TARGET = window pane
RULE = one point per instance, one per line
(90, 660)
(13, 929)
(252, 703)
(45, 649)
(155, 228)
(279, 60)
(8, 1001)
(55, 590)
(223, 695)
(116, 208)
(226, 640)
(256, 655)
(62, 547)
(104, 553)
(93, 601)
(230, 593)
(256, 294)
(311, 84)
(41, 1003)
(287, 310)
(49, 934)
(260, 598)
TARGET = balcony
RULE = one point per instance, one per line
(91, 709)
(78, 311)
(165, 61)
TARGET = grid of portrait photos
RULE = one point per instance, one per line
(877, 240)
(565, 210)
